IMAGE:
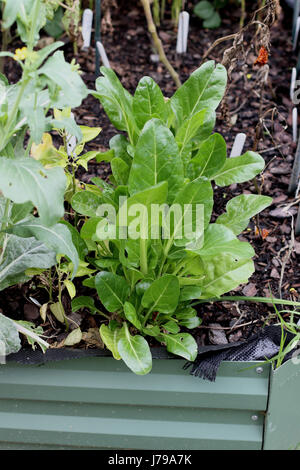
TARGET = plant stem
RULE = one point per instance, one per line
(157, 42)
(5, 215)
(143, 256)
(243, 13)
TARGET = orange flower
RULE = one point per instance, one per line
(263, 56)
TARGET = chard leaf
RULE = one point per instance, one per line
(135, 352)
(171, 327)
(210, 158)
(112, 290)
(110, 338)
(156, 159)
(162, 295)
(120, 170)
(118, 144)
(198, 192)
(224, 273)
(21, 254)
(239, 169)
(148, 102)
(26, 180)
(9, 337)
(181, 344)
(219, 239)
(204, 89)
(116, 101)
(240, 209)
(131, 315)
(84, 301)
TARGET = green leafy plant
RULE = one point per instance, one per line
(209, 12)
(147, 285)
(32, 195)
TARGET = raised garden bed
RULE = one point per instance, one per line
(96, 403)
(76, 287)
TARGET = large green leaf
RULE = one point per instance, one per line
(156, 159)
(112, 290)
(240, 209)
(21, 254)
(224, 273)
(73, 89)
(86, 203)
(110, 338)
(239, 169)
(131, 315)
(162, 295)
(119, 144)
(204, 89)
(181, 344)
(210, 158)
(120, 170)
(116, 101)
(57, 238)
(219, 239)
(196, 193)
(26, 180)
(135, 352)
(9, 337)
(187, 131)
(148, 102)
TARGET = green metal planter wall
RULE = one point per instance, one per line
(98, 403)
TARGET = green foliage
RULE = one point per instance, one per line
(169, 157)
(208, 11)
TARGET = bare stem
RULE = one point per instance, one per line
(157, 42)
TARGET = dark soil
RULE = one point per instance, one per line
(277, 257)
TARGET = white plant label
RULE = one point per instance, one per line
(295, 124)
(238, 145)
(183, 31)
(87, 22)
(103, 55)
(297, 28)
(293, 82)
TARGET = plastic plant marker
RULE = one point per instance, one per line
(293, 81)
(71, 142)
(297, 28)
(183, 31)
(295, 124)
(295, 16)
(102, 54)
(295, 172)
(238, 145)
(87, 21)
(97, 34)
